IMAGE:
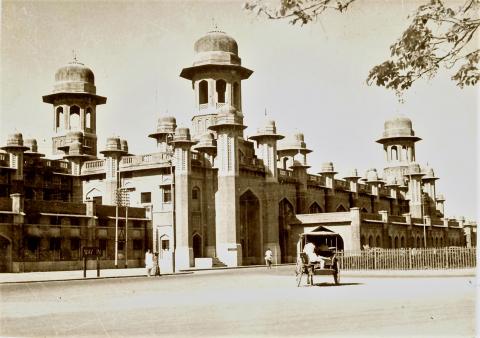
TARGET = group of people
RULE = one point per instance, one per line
(151, 263)
(152, 266)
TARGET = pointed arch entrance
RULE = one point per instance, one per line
(249, 232)
(197, 246)
(285, 214)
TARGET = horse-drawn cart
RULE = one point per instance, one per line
(326, 246)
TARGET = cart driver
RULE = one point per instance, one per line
(309, 249)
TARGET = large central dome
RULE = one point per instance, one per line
(216, 41)
(75, 77)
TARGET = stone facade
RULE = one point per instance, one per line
(216, 197)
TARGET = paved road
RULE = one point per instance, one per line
(253, 302)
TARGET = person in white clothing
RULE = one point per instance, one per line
(148, 262)
(268, 258)
(309, 249)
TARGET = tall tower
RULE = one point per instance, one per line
(216, 77)
(74, 103)
(399, 145)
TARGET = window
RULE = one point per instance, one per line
(137, 244)
(59, 117)
(195, 194)
(74, 117)
(55, 244)
(97, 199)
(121, 246)
(145, 197)
(75, 244)
(167, 194)
(88, 118)
(203, 92)
(221, 88)
(32, 243)
(102, 243)
(165, 244)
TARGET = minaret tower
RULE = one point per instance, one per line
(74, 103)
(216, 77)
(399, 145)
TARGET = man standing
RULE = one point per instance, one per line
(148, 262)
(268, 258)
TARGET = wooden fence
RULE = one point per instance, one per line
(408, 259)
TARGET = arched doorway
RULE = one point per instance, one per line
(6, 254)
(285, 214)
(249, 234)
(197, 246)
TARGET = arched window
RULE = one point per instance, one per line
(203, 92)
(221, 87)
(404, 153)
(74, 117)
(370, 241)
(236, 95)
(362, 241)
(314, 208)
(88, 118)
(379, 241)
(59, 117)
(402, 242)
(394, 153)
(341, 208)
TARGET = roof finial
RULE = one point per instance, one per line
(74, 55)
(214, 25)
(265, 111)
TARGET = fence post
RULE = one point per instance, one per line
(375, 260)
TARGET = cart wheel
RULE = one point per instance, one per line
(336, 277)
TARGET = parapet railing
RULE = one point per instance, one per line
(408, 259)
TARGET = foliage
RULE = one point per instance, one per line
(438, 36)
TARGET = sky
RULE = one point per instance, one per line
(309, 79)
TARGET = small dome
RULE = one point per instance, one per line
(32, 144)
(75, 77)
(113, 143)
(216, 41)
(371, 175)
(353, 173)
(327, 166)
(429, 173)
(182, 134)
(15, 139)
(398, 126)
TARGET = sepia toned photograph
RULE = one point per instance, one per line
(239, 168)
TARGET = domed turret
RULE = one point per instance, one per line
(269, 131)
(15, 142)
(327, 167)
(33, 148)
(74, 77)
(113, 147)
(398, 127)
(74, 101)
(216, 41)
(372, 175)
(353, 174)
